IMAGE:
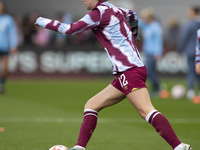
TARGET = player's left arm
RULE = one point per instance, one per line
(89, 21)
(158, 39)
(132, 19)
(197, 60)
(197, 57)
(198, 37)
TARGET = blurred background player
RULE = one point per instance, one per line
(152, 34)
(8, 42)
(172, 34)
(187, 45)
(110, 26)
(197, 58)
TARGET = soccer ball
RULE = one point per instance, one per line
(59, 147)
(178, 91)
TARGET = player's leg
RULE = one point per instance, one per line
(151, 73)
(107, 97)
(191, 77)
(4, 73)
(141, 101)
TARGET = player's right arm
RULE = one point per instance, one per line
(89, 21)
(132, 19)
(197, 57)
(12, 36)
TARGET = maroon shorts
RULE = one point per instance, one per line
(130, 80)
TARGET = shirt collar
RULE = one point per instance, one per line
(99, 3)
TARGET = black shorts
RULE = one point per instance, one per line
(4, 53)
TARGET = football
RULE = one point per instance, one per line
(178, 91)
(59, 147)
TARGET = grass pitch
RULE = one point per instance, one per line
(37, 114)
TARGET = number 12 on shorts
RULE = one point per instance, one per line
(122, 80)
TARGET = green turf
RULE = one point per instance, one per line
(38, 114)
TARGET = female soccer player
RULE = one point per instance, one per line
(8, 42)
(187, 46)
(152, 46)
(110, 25)
(197, 58)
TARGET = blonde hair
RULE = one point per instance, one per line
(148, 13)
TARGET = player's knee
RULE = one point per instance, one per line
(145, 111)
(88, 105)
(142, 112)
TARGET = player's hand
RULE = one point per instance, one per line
(13, 50)
(157, 58)
(197, 69)
(42, 22)
(63, 28)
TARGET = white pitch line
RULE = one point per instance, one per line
(79, 120)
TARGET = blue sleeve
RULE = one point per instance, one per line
(158, 38)
(12, 35)
(141, 23)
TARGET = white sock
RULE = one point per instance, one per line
(179, 147)
(77, 146)
(149, 115)
(88, 109)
